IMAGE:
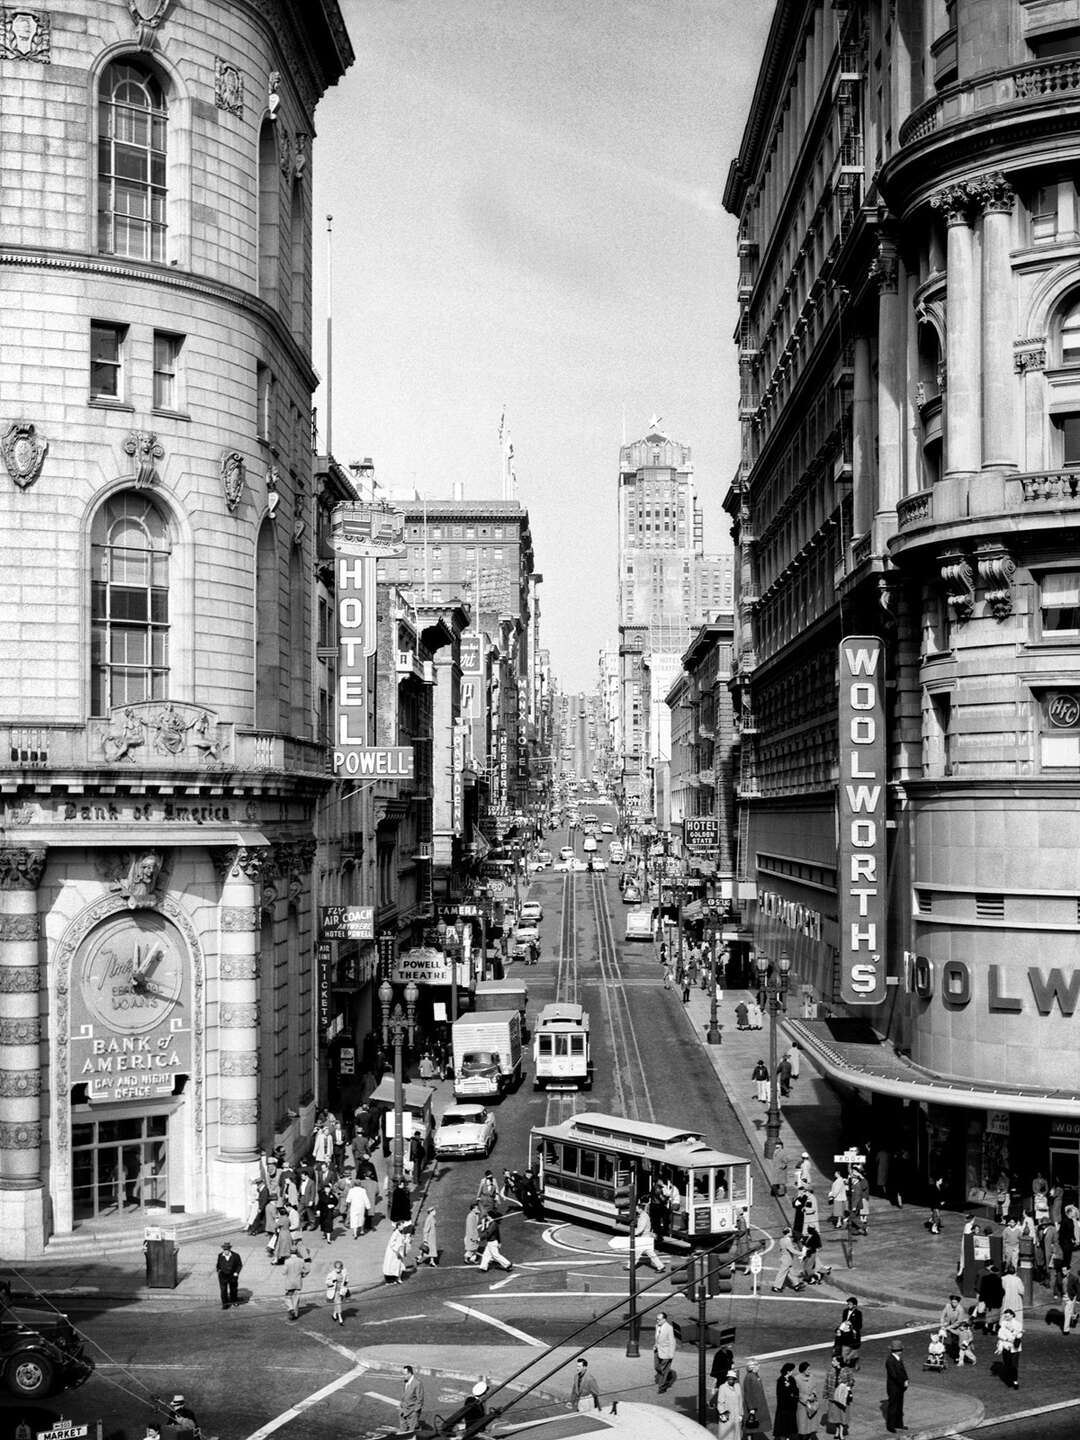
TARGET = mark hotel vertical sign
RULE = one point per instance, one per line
(861, 814)
(362, 534)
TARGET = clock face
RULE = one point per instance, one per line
(132, 974)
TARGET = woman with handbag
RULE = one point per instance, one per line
(839, 1390)
(729, 1406)
(1010, 1339)
(756, 1418)
(337, 1288)
(807, 1407)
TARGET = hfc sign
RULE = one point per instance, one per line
(861, 813)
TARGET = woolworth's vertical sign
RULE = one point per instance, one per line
(861, 815)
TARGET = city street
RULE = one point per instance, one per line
(249, 1373)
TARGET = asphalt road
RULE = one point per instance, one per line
(251, 1374)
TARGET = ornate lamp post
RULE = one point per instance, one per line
(712, 1035)
(396, 1025)
(775, 986)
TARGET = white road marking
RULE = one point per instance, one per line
(562, 1264)
(992, 1420)
(342, 1350)
(295, 1411)
(374, 1395)
(499, 1324)
(501, 1284)
(866, 1339)
(394, 1319)
(767, 1297)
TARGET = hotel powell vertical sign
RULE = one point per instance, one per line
(362, 534)
(861, 810)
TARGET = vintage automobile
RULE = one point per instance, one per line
(465, 1130)
(40, 1350)
(566, 853)
(526, 935)
(631, 895)
(531, 912)
(598, 862)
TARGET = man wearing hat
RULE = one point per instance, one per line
(802, 1172)
(229, 1266)
(896, 1382)
(181, 1415)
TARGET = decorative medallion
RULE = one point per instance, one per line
(228, 87)
(149, 16)
(1029, 354)
(273, 99)
(285, 152)
(300, 155)
(21, 866)
(25, 34)
(24, 452)
(232, 478)
(145, 445)
(137, 878)
(151, 728)
(273, 495)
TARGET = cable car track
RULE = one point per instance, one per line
(633, 1096)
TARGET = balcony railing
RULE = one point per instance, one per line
(914, 509)
(1048, 81)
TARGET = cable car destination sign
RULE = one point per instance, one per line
(362, 533)
(861, 815)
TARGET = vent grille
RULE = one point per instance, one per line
(924, 902)
(990, 907)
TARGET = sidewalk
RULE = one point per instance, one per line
(899, 1262)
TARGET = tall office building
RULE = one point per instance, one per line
(666, 588)
(909, 237)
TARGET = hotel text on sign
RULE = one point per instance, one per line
(861, 813)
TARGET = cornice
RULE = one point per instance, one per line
(75, 263)
(318, 71)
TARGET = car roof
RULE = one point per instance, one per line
(472, 1109)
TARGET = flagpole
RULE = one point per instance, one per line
(329, 334)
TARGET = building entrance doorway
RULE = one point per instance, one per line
(1065, 1168)
(119, 1164)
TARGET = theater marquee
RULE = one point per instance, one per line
(861, 815)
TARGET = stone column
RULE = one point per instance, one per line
(892, 387)
(997, 197)
(963, 348)
(21, 1189)
(862, 438)
(238, 1005)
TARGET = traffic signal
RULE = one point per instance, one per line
(718, 1275)
(624, 1205)
(692, 1273)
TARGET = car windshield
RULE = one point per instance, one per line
(479, 1057)
(460, 1120)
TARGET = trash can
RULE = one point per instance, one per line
(161, 1258)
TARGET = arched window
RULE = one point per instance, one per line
(1070, 334)
(267, 633)
(130, 547)
(269, 213)
(132, 193)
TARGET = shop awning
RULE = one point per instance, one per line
(413, 1096)
(852, 1052)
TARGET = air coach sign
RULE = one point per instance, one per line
(861, 809)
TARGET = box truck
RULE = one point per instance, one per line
(487, 1054)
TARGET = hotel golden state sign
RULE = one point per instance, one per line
(861, 814)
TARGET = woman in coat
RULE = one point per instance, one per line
(757, 1421)
(326, 1206)
(839, 1393)
(729, 1406)
(786, 1424)
(807, 1404)
(282, 1238)
(760, 1077)
(838, 1199)
(393, 1265)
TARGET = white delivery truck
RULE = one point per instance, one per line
(639, 925)
(487, 1054)
(502, 995)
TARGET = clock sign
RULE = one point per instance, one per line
(131, 1030)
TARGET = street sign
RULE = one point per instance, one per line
(347, 922)
(755, 1263)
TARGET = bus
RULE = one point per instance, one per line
(584, 1160)
(562, 1059)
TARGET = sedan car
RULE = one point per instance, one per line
(598, 862)
(631, 895)
(526, 935)
(566, 853)
(465, 1130)
(532, 912)
(607, 828)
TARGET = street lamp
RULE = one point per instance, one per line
(775, 986)
(712, 1035)
(396, 1025)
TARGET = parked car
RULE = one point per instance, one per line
(465, 1130)
(566, 853)
(598, 862)
(40, 1350)
(631, 895)
(526, 935)
(532, 912)
(607, 828)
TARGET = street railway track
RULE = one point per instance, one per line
(629, 1076)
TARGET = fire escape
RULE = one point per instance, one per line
(850, 161)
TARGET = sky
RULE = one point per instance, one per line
(527, 219)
